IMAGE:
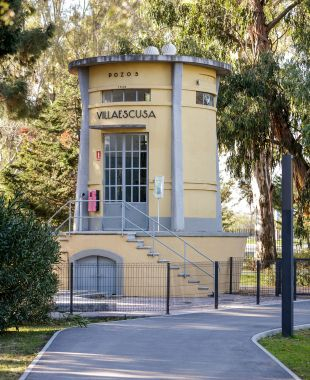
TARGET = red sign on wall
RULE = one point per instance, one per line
(98, 155)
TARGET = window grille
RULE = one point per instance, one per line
(126, 95)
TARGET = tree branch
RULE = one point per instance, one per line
(275, 21)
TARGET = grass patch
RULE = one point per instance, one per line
(293, 352)
(19, 348)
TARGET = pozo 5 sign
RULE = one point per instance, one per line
(124, 114)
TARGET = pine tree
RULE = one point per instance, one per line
(44, 172)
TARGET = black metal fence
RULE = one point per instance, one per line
(111, 288)
(251, 243)
(251, 277)
(160, 288)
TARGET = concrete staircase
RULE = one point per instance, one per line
(151, 252)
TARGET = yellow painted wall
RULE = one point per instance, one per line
(198, 127)
(148, 277)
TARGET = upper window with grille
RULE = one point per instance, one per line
(126, 95)
(204, 98)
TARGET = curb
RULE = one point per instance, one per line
(28, 370)
(255, 338)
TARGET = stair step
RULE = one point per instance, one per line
(144, 247)
(163, 261)
(184, 275)
(153, 254)
(202, 287)
(174, 267)
(193, 281)
(131, 235)
(135, 241)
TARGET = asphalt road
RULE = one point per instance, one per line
(205, 345)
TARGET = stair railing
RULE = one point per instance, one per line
(169, 248)
(169, 231)
(152, 234)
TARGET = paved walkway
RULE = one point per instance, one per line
(204, 345)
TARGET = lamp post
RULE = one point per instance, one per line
(287, 247)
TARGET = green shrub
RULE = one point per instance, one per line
(303, 268)
(28, 253)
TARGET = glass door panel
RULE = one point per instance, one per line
(125, 176)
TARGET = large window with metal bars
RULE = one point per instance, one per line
(126, 168)
(126, 95)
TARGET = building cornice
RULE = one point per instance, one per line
(221, 68)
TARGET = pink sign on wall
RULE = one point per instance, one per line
(92, 201)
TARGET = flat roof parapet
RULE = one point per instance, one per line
(221, 68)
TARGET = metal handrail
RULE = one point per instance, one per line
(166, 246)
(123, 219)
(65, 221)
(167, 229)
(58, 211)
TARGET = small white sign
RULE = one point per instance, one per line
(159, 187)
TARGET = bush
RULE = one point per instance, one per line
(28, 253)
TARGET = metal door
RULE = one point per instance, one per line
(125, 179)
(95, 274)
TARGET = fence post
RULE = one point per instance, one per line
(258, 264)
(230, 274)
(168, 290)
(71, 288)
(278, 278)
(216, 284)
(295, 279)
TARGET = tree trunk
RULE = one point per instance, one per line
(283, 134)
(262, 195)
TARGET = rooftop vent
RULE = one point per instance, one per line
(169, 49)
(151, 50)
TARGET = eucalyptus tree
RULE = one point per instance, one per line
(259, 115)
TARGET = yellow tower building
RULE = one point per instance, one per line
(148, 164)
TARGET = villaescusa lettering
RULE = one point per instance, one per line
(124, 114)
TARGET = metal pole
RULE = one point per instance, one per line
(123, 216)
(230, 274)
(153, 238)
(71, 288)
(168, 290)
(158, 214)
(278, 278)
(184, 254)
(216, 284)
(258, 264)
(80, 215)
(295, 279)
(287, 247)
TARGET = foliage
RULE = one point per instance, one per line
(28, 252)
(43, 165)
(44, 171)
(20, 48)
(226, 195)
(259, 114)
(6, 13)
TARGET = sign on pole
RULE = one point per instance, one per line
(158, 193)
(159, 187)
